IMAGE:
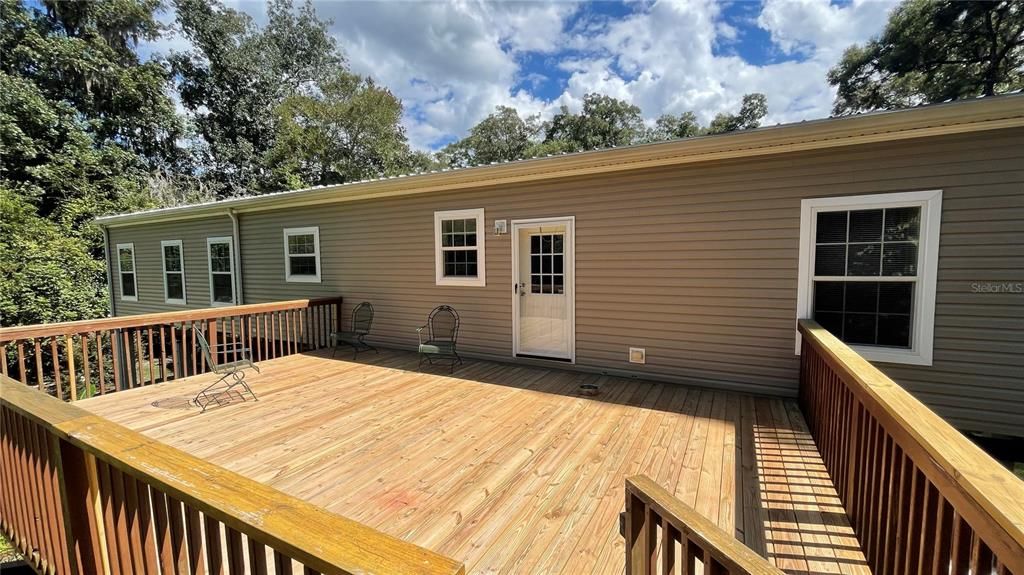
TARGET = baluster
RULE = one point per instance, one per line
(214, 552)
(257, 557)
(163, 354)
(55, 357)
(86, 368)
(139, 357)
(282, 564)
(39, 365)
(176, 353)
(3, 364)
(21, 362)
(236, 558)
(196, 554)
(151, 356)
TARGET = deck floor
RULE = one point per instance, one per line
(505, 467)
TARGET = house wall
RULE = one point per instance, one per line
(696, 263)
(149, 265)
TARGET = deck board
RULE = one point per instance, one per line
(505, 467)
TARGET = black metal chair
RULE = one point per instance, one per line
(438, 339)
(220, 391)
(362, 320)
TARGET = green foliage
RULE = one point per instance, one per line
(348, 130)
(46, 275)
(933, 51)
(500, 137)
(670, 127)
(603, 122)
(752, 111)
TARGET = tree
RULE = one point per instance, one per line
(603, 122)
(83, 125)
(500, 137)
(349, 130)
(237, 75)
(933, 51)
(670, 127)
(752, 111)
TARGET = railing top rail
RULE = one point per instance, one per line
(71, 327)
(726, 549)
(315, 537)
(934, 445)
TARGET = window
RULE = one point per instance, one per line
(302, 254)
(867, 267)
(126, 272)
(174, 271)
(222, 271)
(459, 247)
(547, 263)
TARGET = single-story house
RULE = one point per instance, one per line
(686, 261)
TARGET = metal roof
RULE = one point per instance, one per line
(921, 121)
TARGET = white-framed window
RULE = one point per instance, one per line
(868, 269)
(126, 272)
(459, 247)
(173, 256)
(222, 270)
(302, 254)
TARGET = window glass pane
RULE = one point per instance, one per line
(446, 226)
(128, 285)
(894, 330)
(535, 283)
(446, 240)
(546, 261)
(302, 244)
(559, 246)
(534, 264)
(125, 257)
(545, 282)
(449, 269)
(458, 226)
(471, 269)
(222, 289)
(832, 321)
(459, 240)
(220, 257)
(864, 260)
(558, 264)
(172, 258)
(534, 244)
(545, 244)
(859, 328)
(866, 226)
(862, 296)
(460, 263)
(302, 265)
(896, 297)
(899, 259)
(559, 284)
(470, 225)
(902, 224)
(831, 227)
(471, 239)
(828, 296)
(830, 260)
(175, 286)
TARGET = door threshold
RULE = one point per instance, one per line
(544, 358)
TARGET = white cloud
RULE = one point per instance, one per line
(452, 62)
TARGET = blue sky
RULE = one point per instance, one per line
(452, 62)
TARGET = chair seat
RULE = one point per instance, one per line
(437, 347)
(226, 366)
(347, 336)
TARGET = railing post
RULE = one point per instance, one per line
(211, 338)
(79, 496)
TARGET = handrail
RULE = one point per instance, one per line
(8, 334)
(71, 360)
(920, 495)
(656, 521)
(81, 494)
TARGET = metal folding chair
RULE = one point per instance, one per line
(362, 320)
(232, 374)
(438, 339)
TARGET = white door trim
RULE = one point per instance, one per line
(570, 223)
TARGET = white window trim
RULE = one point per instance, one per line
(481, 238)
(181, 258)
(315, 231)
(209, 267)
(922, 328)
(120, 274)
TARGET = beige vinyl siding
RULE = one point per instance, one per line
(148, 261)
(696, 263)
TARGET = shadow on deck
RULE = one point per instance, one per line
(506, 467)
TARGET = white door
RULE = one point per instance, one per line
(542, 271)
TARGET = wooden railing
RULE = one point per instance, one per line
(666, 536)
(80, 494)
(921, 497)
(79, 359)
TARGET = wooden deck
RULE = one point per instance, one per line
(505, 467)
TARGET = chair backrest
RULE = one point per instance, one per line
(362, 318)
(443, 324)
(205, 346)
